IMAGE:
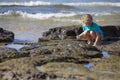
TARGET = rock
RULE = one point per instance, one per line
(62, 32)
(27, 48)
(7, 53)
(6, 36)
(63, 59)
(8, 75)
(51, 55)
(114, 52)
(40, 51)
(62, 48)
(1, 29)
(71, 31)
(111, 31)
(110, 65)
(111, 46)
(90, 47)
(43, 40)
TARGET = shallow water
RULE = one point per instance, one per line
(15, 46)
(90, 64)
(105, 54)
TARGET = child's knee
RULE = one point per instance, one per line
(92, 32)
(86, 33)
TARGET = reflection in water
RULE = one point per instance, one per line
(105, 54)
(88, 65)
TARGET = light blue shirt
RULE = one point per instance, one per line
(94, 27)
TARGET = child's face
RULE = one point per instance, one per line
(87, 21)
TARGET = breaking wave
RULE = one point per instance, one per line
(39, 3)
(41, 16)
(31, 3)
(94, 4)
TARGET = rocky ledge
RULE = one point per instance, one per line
(59, 56)
(65, 32)
(6, 36)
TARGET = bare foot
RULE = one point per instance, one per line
(89, 43)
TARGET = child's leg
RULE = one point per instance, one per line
(93, 35)
(83, 34)
(97, 39)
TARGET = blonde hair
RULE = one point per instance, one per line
(87, 16)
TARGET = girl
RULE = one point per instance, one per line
(91, 30)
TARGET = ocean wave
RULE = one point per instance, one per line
(39, 3)
(94, 4)
(31, 3)
(41, 16)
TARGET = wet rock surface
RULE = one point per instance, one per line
(63, 58)
(7, 53)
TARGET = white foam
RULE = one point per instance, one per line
(94, 4)
(31, 3)
(10, 12)
(69, 20)
(38, 3)
(41, 16)
(48, 15)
